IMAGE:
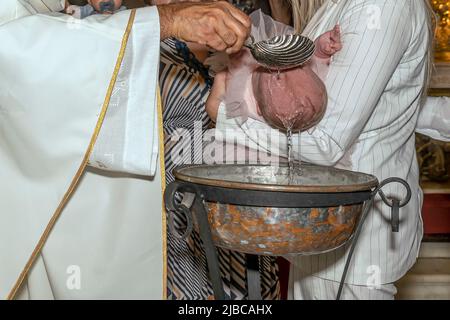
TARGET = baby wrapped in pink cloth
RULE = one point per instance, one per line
(289, 99)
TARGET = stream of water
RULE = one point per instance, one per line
(294, 167)
(290, 156)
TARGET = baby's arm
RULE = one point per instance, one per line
(234, 88)
(217, 95)
(328, 44)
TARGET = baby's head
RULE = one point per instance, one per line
(294, 98)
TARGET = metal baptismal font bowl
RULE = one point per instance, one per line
(264, 210)
(258, 210)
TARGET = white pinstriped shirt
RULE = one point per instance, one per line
(374, 86)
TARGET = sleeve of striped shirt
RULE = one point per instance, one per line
(375, 36)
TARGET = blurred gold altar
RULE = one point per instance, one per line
(442, 8)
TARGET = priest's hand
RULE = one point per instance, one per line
(217, 24)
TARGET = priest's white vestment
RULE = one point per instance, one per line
(59, 78)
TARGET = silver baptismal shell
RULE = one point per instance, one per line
(283, 52)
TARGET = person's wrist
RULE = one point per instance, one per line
(167, 21)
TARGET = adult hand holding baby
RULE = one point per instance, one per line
(216, 24)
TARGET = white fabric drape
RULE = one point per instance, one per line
(54, 74)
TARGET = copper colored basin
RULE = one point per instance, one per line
(254, 209)
(282, 231)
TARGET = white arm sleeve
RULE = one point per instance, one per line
(434, 118)
(76, 59)
(128, 141)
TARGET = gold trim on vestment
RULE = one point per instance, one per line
(163, 185)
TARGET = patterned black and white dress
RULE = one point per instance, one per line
(184, 90)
